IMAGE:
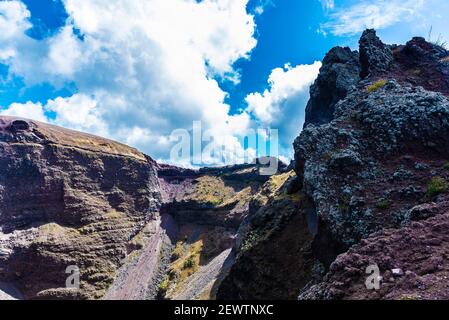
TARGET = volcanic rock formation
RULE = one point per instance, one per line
(372, 168)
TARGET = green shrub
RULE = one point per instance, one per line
(189, 263)
(446, 166)
(249, 241)
(377, 85)
(383, 204)
(163, 286)
(436, 186)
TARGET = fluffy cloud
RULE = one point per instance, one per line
(378, 14)
(141, 68)
(26, 110)
(281, 106)
(13, 23)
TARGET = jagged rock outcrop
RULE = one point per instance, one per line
(375, 57)
(340, 71)
(372, 157)
(383, 146)
(68, 198)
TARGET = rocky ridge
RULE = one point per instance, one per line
(378, 165)
(372, 174)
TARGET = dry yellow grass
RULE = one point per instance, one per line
(114, 214)
(277, 181)
(55, 231)
(212, 190)
(376, 85)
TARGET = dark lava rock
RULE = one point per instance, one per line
(360, 172)
(375, 56)
(372, 116)
(341, 161)
(340, 71)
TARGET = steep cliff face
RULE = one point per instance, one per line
(69, 199)
(207, 208)
(274, 253)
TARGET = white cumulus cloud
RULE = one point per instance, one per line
(281, 106)
(29, 110)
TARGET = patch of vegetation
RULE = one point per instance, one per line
(133, 255)
(278, 181)
(178, 251)
(165, 283)
(54, 230)
(437, 186)
(189, 263)
(439, 41)
(383, 204)
(446, 166)
(250, 240)
(137, 242)
(114, 214)
(409, 297)
(212, 190)
(376, 85)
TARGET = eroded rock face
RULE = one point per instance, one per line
(135, 229)
(207, 207)
(66, 199)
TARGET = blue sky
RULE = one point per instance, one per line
(99, 66)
